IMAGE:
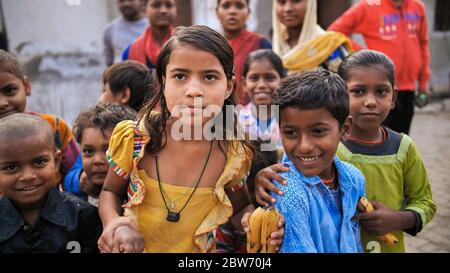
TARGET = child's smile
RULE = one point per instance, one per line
(310, 139)
(27, 169)
(261, 81)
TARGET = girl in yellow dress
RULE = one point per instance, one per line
(180, 186)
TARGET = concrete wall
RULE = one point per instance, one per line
(440, 53)
(60, 44)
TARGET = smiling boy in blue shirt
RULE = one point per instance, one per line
(322, 192)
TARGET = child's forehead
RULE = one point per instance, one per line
(307, 116)
(371, 69)
(8, 76)
(190, 57)
(26, 148)
(96, 134)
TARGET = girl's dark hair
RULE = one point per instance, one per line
(103, 116)
(218, 2)
(313, 89)
(265, 54)
(132, 75)
(205, 39)
(367, 58)
(10, 64)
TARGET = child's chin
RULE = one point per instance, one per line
(306, 171)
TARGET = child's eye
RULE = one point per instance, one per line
(253, 78)
(319, 131)
(290, 133)
(226, 5)
(270, 78)
(87, 152)
(40, 163)
(358, 91)
(210, 77)
(9, 92)
(180, 77)
(240, 5)
(382, 91)
(10, 168)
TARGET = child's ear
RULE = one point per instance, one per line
(231, 86)
(346, 126)
(27, 86)
(394, 99)
(58, 159)
(125, 96)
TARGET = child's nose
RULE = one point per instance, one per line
(370, 102)
(27, 175)
(3, 102)
(99, 158)
(305, 146)
(194, 89)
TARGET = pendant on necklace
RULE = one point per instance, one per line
(173, 216)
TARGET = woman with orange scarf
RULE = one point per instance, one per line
(233, 15)
(162, 15)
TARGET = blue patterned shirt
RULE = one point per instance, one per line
(314, 220)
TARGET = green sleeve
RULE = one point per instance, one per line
(417, 189)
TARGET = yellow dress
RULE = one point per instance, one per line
(208, 208)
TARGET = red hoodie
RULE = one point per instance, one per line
(400, 33)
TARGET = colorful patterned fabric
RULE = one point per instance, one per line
(64, 141)
(122, 149)
(229, 240)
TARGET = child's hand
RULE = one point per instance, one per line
(245, 221)
(127, 240)
(381, 221)
(106, 241)
(263, 183)
(276, 238)
(88, 187)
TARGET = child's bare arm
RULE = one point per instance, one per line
(240, 200)
(110, 211)
(384, 219)
(111, 197)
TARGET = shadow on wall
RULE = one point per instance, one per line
(63, 84)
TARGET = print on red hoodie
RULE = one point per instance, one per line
(400, 33)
